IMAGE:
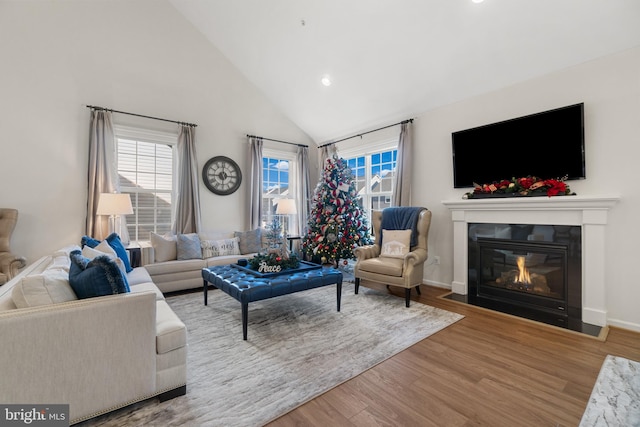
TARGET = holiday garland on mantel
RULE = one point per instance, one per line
(527, 186)
(337, 223)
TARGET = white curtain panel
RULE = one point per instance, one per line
(187, 207)
(102, 172)
(304, 190)
(255, 184)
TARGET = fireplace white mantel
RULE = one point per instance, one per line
(589, 212)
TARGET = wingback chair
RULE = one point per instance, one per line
(405, 272)
(9, 263)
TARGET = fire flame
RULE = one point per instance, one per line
(523, 273)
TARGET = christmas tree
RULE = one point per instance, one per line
(337, 223)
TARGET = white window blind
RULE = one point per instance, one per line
(146, 167)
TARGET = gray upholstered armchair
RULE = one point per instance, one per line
(9, 263)
(405, 271)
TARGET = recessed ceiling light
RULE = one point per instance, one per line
(326, 80)
(477, 1)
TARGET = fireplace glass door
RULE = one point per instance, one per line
(523, 271)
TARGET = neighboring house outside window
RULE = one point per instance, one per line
(146, 165)
(373, 168)
(278, 181)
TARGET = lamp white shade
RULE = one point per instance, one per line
(114, 204)
(286, 207)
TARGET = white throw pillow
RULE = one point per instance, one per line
(49, 287)
(104, 249)
(60, 258)
(395, 243)
(213, 248)
(165, 248)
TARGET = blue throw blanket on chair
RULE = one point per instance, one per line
(402, 218)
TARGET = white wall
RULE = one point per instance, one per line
(140, 56)
(610, 90)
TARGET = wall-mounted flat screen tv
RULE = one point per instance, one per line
(548, 145)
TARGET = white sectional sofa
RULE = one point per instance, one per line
(96, 354)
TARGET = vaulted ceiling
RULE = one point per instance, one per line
(393, 59)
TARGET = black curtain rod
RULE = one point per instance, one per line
(276, 140)
(364, 133)
(93, 107)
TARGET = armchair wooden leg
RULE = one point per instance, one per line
(407, 296)
(357, 284)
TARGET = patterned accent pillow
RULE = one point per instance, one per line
(188, 246)
(213, 248)
(395, 243)
(97, 277)
(249, 241)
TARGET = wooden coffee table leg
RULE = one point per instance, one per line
(205, 290)
(339, 290)
(245, 319)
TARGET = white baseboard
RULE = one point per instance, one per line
(436, 284)
(624, 324)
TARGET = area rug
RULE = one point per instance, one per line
(298, 347)
(615, 398)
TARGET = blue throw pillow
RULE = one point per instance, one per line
(89, 241)
(114, 241)
(97, 277)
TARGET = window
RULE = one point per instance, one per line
(373, 172)
(278, 181)
(146, 165)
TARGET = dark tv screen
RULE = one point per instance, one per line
(548, 145)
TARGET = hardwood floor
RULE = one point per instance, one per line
(489, 369)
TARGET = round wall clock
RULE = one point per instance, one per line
(221, 175)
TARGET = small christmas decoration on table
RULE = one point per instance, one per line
(275, 257)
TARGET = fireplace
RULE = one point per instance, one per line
(589, 213)
(532, 271)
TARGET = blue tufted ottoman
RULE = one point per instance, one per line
(246, 287)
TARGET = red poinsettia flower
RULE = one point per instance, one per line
(503, 184)
(555, 187)
(525, 182)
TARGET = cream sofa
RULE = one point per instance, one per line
(96, 354)
(171, 274)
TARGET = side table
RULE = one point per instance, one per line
(135, 254)
(291, 239)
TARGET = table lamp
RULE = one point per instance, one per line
(286, 207)
(115, 205)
